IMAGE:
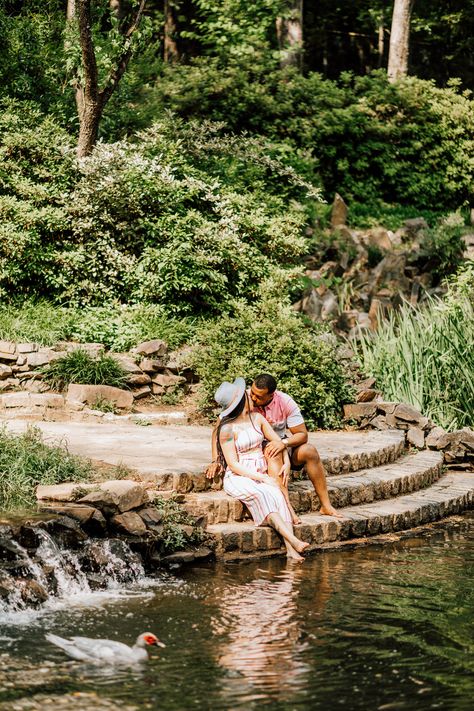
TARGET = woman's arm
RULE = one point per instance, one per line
(268, 431)
(272, 436)
(214, 467)
(230, 454)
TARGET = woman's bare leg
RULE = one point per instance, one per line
(293, 545)
(274, 465)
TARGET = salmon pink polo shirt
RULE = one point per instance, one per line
(281, 412)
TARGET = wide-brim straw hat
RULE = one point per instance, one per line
(228, 395)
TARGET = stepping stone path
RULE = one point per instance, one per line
(377, 485)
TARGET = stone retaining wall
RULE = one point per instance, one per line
(150, 370)
(457, 447)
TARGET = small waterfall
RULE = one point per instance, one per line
(70, 579)
(51, 573)
(33, 568)
(13, 602)
(122, 565)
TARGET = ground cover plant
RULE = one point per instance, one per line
(26, 462)
(177, 529)
(425, 356)
(118, 327)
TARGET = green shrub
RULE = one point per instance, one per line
(80, 367)
(442, 247)
(269, 337)
(123, 327)
(426, 356)
(183, 216)
(25, 462)
(408, 143)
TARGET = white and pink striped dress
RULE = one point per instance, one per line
(261, 499)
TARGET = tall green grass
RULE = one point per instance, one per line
(118, 327)
(25, 462)
(425, 357)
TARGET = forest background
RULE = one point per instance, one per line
(166, 167)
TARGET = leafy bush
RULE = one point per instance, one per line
(185, 216)
(374, 142)
(443, 245)
(25, 462)
(426, 356)
(80, 367)
(269, 337)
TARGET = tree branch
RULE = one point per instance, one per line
(124, 58)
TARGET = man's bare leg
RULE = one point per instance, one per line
(308, 456)
(274, 465)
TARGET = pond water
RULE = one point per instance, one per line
(375, 627)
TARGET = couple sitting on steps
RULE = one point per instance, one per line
(260, 436)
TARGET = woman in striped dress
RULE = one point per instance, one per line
(239, 443)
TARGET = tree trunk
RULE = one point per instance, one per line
(89, 121)
(399, 40)
(290, 35)
(381, 40)
(170, 47)
(91, 100)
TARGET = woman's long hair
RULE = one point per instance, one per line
(238, 409)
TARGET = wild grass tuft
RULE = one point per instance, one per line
(36, 322)
(25, 462)
(80, 367)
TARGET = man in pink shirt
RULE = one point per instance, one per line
(285, 417)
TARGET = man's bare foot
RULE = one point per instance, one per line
(295, 557)
(330, 511)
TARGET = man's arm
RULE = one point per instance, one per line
(299, 436)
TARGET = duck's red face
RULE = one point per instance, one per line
(152, 639)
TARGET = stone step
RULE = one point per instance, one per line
(451, 494)
(410, 473)
(340, 452)
(344, 452)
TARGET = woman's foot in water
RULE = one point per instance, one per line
(294, 556)
(301, 546)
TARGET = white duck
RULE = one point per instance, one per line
(86, 649)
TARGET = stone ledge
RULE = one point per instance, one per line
(31, 401)
(411, 473)
(451, 494)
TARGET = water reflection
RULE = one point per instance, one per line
(260, 621)
(372, 628)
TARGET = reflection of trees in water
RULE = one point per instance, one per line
(260, 621)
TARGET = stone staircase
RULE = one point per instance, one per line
(377, 485)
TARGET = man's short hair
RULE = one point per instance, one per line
(265, 381)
